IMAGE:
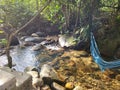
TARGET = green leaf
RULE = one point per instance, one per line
(1, 31)
(4, 41)
(1, 21)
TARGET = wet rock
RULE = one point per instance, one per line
(69, 85)
(78, 88)
(30, 68)
(43, 58)
(37, 47)
(41, 34)
(34, 39)
(53, 47)
(24, 44)
(57, 86)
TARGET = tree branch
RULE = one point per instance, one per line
(38, 13)
(12, 34)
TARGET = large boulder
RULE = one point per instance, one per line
(67, 40)
(108, 42)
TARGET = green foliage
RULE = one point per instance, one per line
(1, 31)
(15, 13)
(118, 19)
(3, 42)
(53, 12)
(68, 14)
(1, 21)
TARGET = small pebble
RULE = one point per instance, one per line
(69, 85)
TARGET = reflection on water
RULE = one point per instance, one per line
(26, 57)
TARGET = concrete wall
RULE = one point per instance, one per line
(13, 80)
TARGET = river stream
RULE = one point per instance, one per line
(26, 57)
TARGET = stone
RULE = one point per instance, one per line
(46, 87)
(34, 39)
(7, 81)
(23, 44)
(78, 88)
(48, 71)
(34, 35)
(34, 74)
(37, 47)
(56, 86)
(37, 82)
(69, 85)
(40, 34)
(67, 40)
(30, 68)
(23, 80)
(108, 41)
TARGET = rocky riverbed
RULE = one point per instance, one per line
(72, 70)
(75, 70)
(55, 68)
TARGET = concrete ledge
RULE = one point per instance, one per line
(7, 81)
(23, 80)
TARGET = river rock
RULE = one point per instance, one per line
(37, 47)
(24, 44)
(69, 85)
(30, 68)
(41, 34)
(48, 71)
(34, 39)
(34, 35)
(108, 41)
(34, 74)
(66, 41)
(56, 86)
(53, 47)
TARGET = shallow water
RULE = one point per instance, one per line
(27, 57)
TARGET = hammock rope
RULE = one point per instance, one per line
(97, 57)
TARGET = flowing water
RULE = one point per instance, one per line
(27, 57)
